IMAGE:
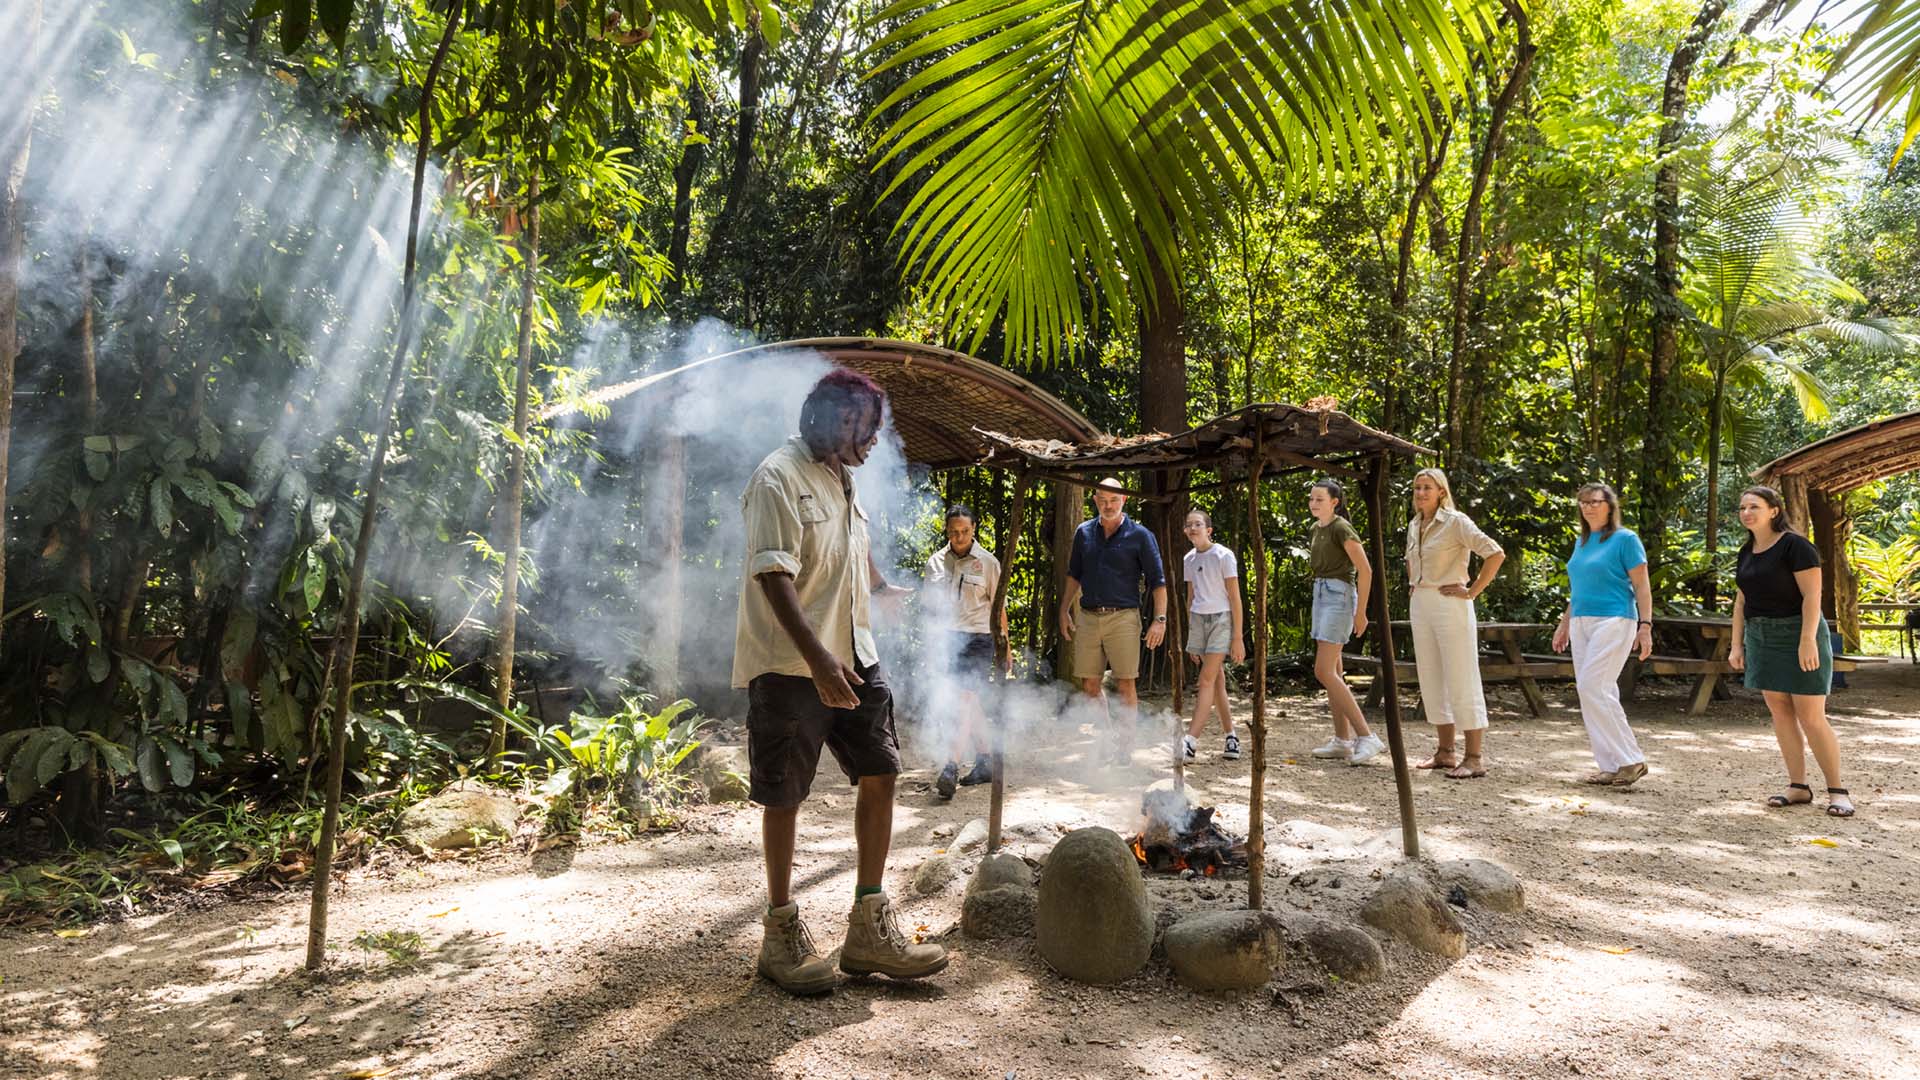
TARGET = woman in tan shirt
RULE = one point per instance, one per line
(1446, 634)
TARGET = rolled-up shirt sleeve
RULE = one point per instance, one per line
(1156, 573)
(1479, 542)
(773, 530)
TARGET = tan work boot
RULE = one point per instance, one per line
(875, 944)
(788, 956)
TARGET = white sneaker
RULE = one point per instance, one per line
(1232, 752)
(1189, 750)
(1334, 748)
(1365, 749)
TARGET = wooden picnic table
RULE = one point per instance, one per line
(1510, 662)
(1711, 640)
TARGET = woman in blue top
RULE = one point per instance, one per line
(1610, 615)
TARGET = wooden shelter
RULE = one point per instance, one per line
(1814, 479)
(1241, 447)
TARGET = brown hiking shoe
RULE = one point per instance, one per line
(876, 945)
(788, 956)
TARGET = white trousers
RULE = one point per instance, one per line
(1446, 654)
(1601, 645)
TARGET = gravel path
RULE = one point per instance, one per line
(1674, 929)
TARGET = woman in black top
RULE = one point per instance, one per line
(1780, 640)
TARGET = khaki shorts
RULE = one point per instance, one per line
(1106, 639)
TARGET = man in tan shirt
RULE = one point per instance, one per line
(804, 652)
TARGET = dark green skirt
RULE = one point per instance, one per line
(1773, 657)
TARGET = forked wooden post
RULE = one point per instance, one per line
(1377, 476)
(1003, 649)
(1257, 791)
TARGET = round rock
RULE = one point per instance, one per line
(1346, 952)
(455, 817)
(934, 875)
(1225, 950)
(972, 837)
(1092, 922)
(1407, 906)
(1001, 912)
(1489, 885)
(1001, 868)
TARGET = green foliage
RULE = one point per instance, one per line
(623, 763)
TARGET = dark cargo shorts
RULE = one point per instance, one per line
(787, 725)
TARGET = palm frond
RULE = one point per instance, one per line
(1054, 149)
(1885, 52)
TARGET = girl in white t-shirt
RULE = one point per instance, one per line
(1214, 629)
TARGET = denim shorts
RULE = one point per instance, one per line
(1334, 602)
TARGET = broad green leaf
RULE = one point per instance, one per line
(296, 22)
(179, 761)
(160, 505)
(335, 16)
(146, 755)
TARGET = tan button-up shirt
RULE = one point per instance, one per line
(1437, 554)
(804, 520)
(960, 589)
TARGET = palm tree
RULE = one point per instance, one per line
(1753, 290)
(1885, 53)
(1060, 148)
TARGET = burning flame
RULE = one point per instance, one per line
(1178, 864)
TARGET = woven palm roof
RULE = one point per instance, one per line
(1838, 463)
(939, 396)
(1292, 437)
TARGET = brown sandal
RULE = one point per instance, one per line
(1441, 759)
(1464, 771)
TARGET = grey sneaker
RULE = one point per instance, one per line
(1365, 749)
(788, 956)
(876, 945)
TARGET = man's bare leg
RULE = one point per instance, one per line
(777, 827)
(1126, 722)
(872, 830)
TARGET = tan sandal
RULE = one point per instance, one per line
(1598, 779)
(1464, 771)
(1441, 759)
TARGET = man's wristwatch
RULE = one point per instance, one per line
(1159, 618)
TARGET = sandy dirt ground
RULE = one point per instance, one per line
(1674, 929)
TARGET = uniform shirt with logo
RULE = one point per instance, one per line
(960, 589)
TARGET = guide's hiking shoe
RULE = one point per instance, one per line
(1334, 748)
(982, 772)
(1232, 752)
(788, 957)
(1365, 749)
(948, 775)
(875, 944)
(1189, 750)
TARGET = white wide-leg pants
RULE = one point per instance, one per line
(1446, 655)
(1601, 645)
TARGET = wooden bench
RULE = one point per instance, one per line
(1493, 668)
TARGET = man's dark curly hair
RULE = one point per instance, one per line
(838, 393)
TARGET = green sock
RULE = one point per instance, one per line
(862, 891)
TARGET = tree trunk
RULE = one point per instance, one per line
(89, 419)
(1665, 346)
(515, 496)
(692, 156)
(1523, 51)
(1163, 400)
(1711, 593)
(748, 124)
(348, 639)
(16, 143)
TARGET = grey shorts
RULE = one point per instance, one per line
(1334, 603)
(1209, 633)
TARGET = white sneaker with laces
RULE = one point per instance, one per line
(1335, 748)
(1189, 750)
(1365, 749)
(1232, 752)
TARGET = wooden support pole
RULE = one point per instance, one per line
(1383, 634)
(1002, 650)
(1176, 668)
(1066, 519)
(1257, 789)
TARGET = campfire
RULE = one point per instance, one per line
(1178, 836)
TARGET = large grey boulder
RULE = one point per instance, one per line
(1489, 885)
(1092, 922)
(1225, 950)
(1408, 906)
(457, 818)
(1345, 951)
(1000, 899)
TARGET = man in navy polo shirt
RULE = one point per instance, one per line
(1100, 615)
